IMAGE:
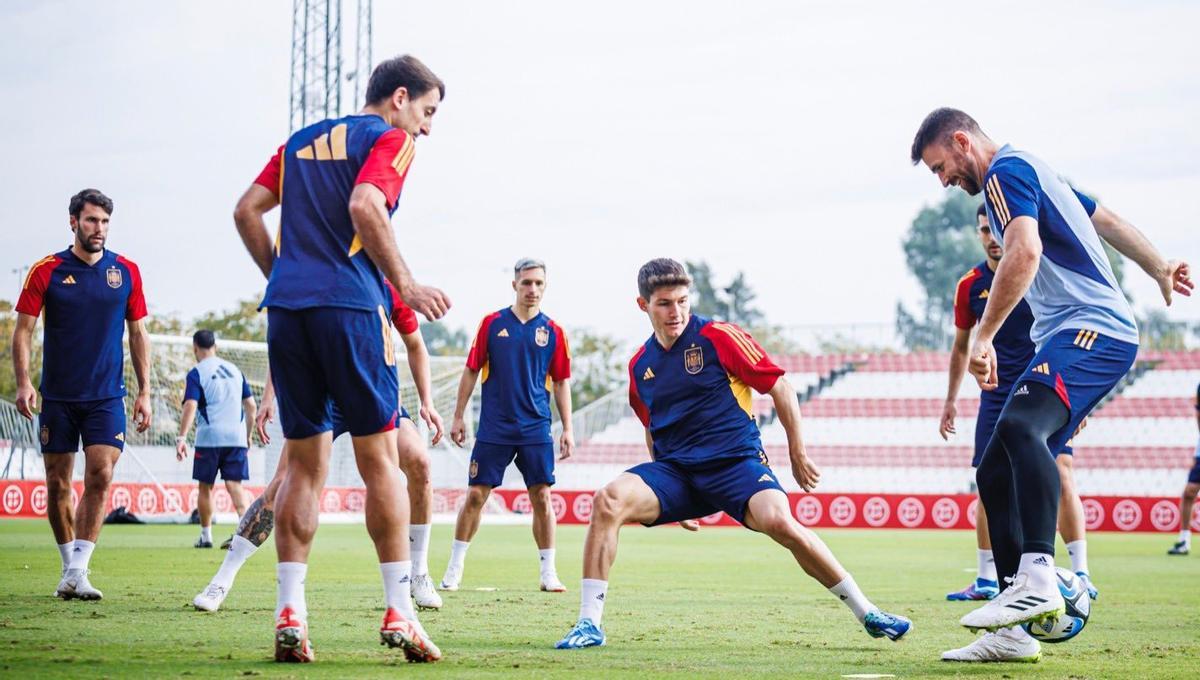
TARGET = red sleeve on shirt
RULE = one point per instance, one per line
(963, 318)
(742, 357)
(387, 164)
(272, 174)
(560, 363)
(33, 293)
(135, 307)
(403, 317)
(478, 356)
(635, 400)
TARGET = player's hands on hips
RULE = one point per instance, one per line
(426, 300)
(181, 449)
(982, 364)
(266, 414)
(566, 445)
(806, 473)
(433, 420)
(141, 412)
(690, 524)
(949, 413)
(1177, 278)
(458, 431)
(27, 400)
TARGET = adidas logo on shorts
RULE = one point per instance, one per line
(1022, 390)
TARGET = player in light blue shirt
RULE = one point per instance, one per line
(1086, 341)
(218, 392)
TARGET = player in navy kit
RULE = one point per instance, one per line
(1086, 340)
(1014, 351)
(89, 295)
(1188, 499)
(329, 339)
(522, 357)
(690, 386)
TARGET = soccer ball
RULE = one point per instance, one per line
(1079, 607)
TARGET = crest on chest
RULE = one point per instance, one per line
(693, 359)
(541, 336)
(114, 277)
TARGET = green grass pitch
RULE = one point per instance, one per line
(721, 603)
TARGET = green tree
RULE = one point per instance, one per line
(705, 296)
(735, 303)
(242, 322)
(1160, 333)
(442, 341)
(597, 366)
(8, 379)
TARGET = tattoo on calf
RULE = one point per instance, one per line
(257, 523)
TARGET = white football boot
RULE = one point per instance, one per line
(75, 585)
(423, 593)
(1019, 603)
(210, 600)
(1005, 645)
(551, 584)
(451, 579)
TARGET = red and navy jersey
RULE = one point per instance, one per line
(1014, 348)
(519, 362)
(86, 308)
(403, 317)
(695, 397)
(319, 259)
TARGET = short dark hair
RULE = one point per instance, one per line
(403, 71)
(660, 272)
(982, 211)
(938, 125)
(204, 339)
(92, 196)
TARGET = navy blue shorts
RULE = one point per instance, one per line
(688, 492)
(1082, 366)
(1194, 474)
(488, 460)
(329, 355)
(230, 460)
(985, 424)
(62, 424)
(339, 426)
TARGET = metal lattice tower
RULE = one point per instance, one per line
(317, 64)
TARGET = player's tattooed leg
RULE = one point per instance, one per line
(257, 523)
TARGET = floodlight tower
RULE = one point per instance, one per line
(318, 71)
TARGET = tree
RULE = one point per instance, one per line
(706, 300)
(442, 341)
(597, 366)
(1160, 333)
(735, 303)
(243, 322)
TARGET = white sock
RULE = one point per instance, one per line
(546, 561)
(239, 551)
(591, 599)
(64, 551)
(206, 534)
(81, 554)
(1185, 535)
(987, 565)
(847, 591)
(290, 588)
(418, 548)
(1078, 552)
(458, 555)
(1039, 567)
(397, 586)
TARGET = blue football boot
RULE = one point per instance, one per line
(584, 634)
(882, 624)
(1087, 583)
(980, 589)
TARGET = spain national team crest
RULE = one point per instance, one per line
(114, 277)
(45, 435)
(542, 336)
(474, 469)
(693, 359)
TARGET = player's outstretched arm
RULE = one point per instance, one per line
(466, 385)
(1172, 276)
(958, 368)
(1014, 274)
(248, 216)
(27, 396)
(369, 213)
(418, 365)
(139, 356)
(787, 406)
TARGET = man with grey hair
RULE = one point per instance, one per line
(522, 356)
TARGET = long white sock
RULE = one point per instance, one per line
(1078, 552)
(546, 562)
(289, 591)
(206, 534)
(81, 554)
(418, 548)
(1040, 569)
(1185, 535)
(397, 586)
(591, 599)
(239, 551)
(458, 556)
(64, 551)
(847, 591)
(987, 565)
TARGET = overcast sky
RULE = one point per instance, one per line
(766, 137)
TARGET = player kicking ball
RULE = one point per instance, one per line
(690, 386)
(1086, 340)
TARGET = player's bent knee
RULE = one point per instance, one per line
(608, 507)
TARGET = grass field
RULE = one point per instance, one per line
(721, 603)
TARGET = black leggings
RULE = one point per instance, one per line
(1018, 478)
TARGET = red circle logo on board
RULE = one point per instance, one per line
(147, 501)
(1093, 514)
(558, 505)
(121, 497)
(972, 510)
(1127, 515)
(522, 505)
(583, 507)
(356, 501)
(911, 512)
(331, 501)
(39, 498)
(14, 498)
(842, 511)
(1164, 516)
(876, 511)
(808, 510)
(945, 513)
